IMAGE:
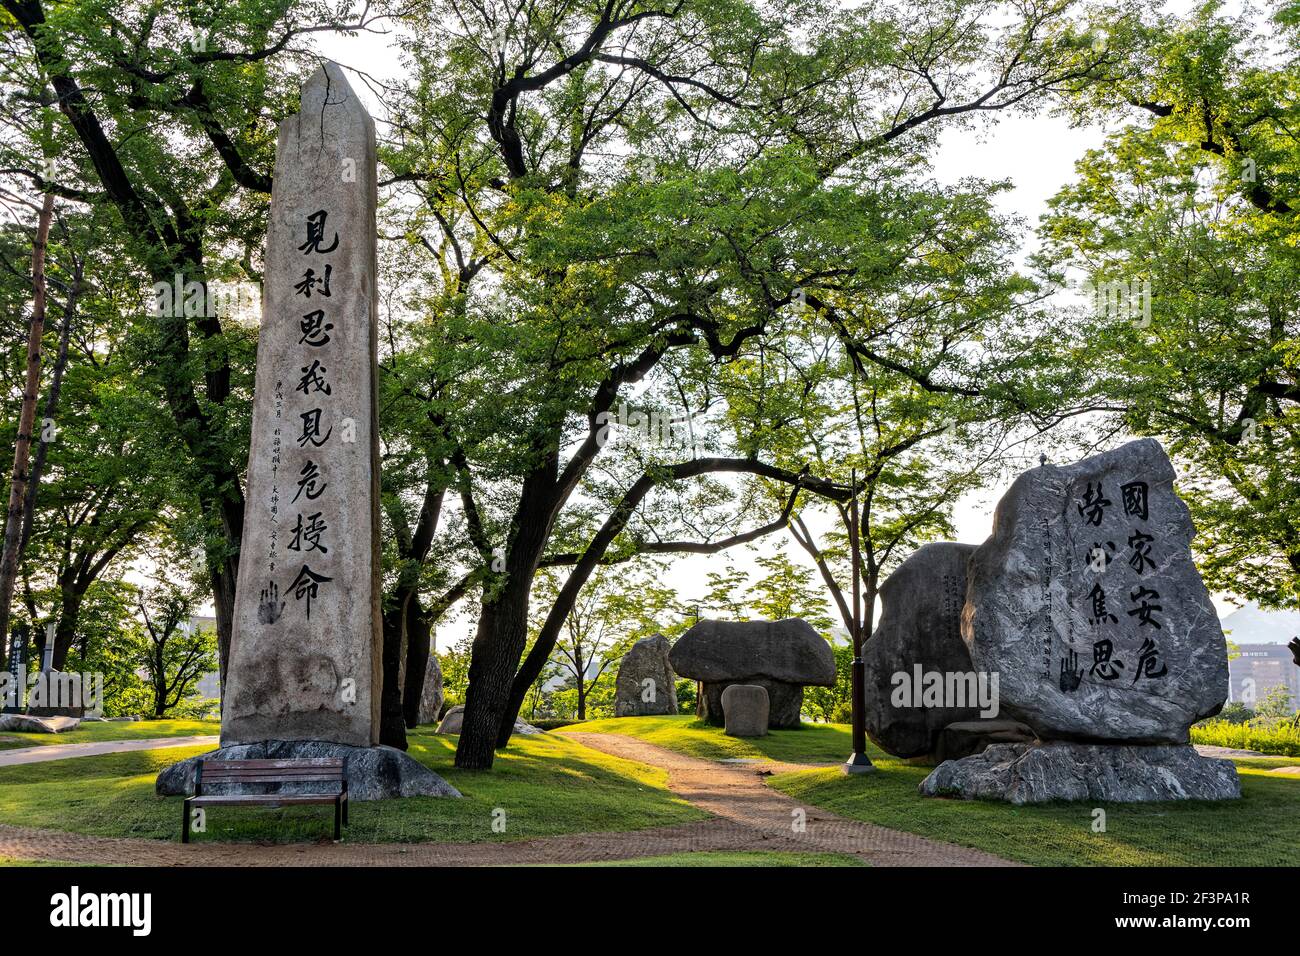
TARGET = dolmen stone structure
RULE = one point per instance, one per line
(782, 657)
(646, 684)
(304, 676)
(1086, 603)
(745, 707)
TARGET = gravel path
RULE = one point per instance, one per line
(739, 795)
(41, 753)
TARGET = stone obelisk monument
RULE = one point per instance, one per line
(306, 643)
(304, 676)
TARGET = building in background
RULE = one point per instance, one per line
(1265, 661)
(1259, 669)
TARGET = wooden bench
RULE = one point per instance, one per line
(256, 773)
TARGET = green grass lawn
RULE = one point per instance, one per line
(811, 743)
(111, 730)
(738, 858)
(1261, 829)
(545, 785)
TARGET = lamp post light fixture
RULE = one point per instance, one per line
(858, 761)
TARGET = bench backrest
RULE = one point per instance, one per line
(303, 770)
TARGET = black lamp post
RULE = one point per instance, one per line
(858, 761)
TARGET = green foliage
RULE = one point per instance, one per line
(455, 671)
(1267, 737)
(686, 696)
(1195, 198)
(833, 704)
(1234, 712)
(1276, 704)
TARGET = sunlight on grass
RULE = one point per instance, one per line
(111, 730)
(810, 744)
(1261, 829)
(545, 785)
(734, 858)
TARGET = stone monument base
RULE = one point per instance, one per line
(1058, 770)
(374, 773)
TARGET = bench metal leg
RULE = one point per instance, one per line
(185, 823)
(338, 818)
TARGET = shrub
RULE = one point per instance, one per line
(1281, 737)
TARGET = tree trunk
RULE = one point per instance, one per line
(498, 645)
(65, 632)
(26, 420)
(418, 630)
(392, 723)
(51, 409)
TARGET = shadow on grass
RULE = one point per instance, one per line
(540, 786)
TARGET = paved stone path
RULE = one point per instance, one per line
(748, 815)
(41, 753)
(1210, 750)
(738, 795)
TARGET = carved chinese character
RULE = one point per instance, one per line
(310, 281)
(1148, 658)
(1134, 496)
(1140, 559)
(315, 330)
(1145, 609)
(1102, 665)
(1094, 505)
(309, 534)
(1097, 598)
(311, 429)
(307, 584)
(313, 378)
(316, 234)
(309, 482)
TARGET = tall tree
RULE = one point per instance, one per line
(18, 481)
(167, 118)
(1184, 229)
(750, 161)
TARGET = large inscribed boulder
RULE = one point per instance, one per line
(1086, 603)
(431, 694)
(745, 708)
(646, 683)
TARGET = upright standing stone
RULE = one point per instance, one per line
(920, 627)
(1087, 604)
(431, 694)
(305, 651)
(646, 683)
